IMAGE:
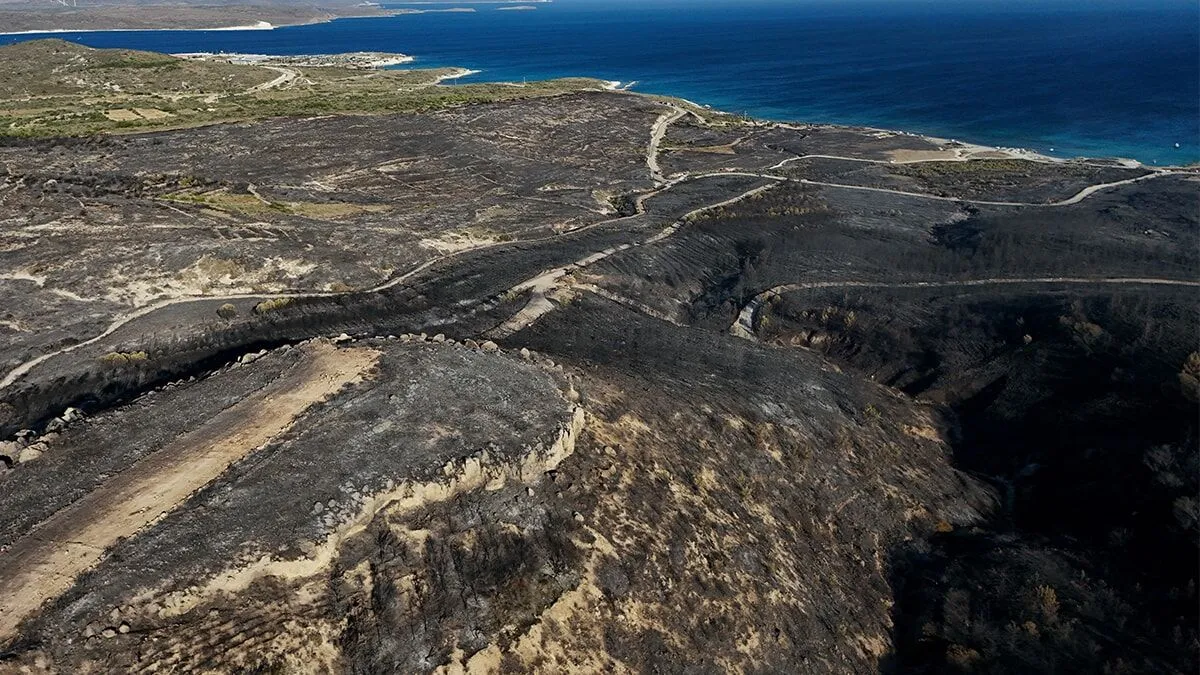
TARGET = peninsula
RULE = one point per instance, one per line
(34, 16)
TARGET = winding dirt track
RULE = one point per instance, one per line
(557, 279)
(934, 160)
(657, 133)
(1075, 199)
(286, 75)
(124, 319)
(1078, 197)
(45, 563)
(744, 325)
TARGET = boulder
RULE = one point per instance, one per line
(32, 452)
(10, 449)
(251, 358)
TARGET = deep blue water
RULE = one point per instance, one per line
(1085, 77)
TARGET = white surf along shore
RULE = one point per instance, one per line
(459, 73)
(360, 60)
(963, 150)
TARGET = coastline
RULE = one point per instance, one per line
(361, 60)
(967, 147)
(460, 73)
(961, 150)
(964, 149)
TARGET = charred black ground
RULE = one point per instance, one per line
(594, 382)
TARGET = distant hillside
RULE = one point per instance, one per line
(21, 15)
(56, 67)
(53, 87)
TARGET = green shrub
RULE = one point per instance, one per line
(267, 306)
(120, 358)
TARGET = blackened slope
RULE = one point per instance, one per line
(750, 495)
(1070, 400)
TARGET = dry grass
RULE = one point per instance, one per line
(56, 88)
(251, 205)
(57, 67)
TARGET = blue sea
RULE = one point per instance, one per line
(1095, 78)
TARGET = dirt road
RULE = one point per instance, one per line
(45, 563)
(744, 325)
(1078, 197)
(286, 75)
(657, 133)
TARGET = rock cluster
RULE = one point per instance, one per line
(27, 445)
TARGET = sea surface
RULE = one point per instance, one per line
(1097, 78)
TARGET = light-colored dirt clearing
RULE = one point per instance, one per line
(122, 115)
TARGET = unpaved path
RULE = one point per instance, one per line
(120, 321)
(45, 563)
(657, 133)
(695, 212)
(1078, 197)
(556, 281)
(286, 75)
(744, 325)
(954, 158)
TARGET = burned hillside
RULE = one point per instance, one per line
(592, 382)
